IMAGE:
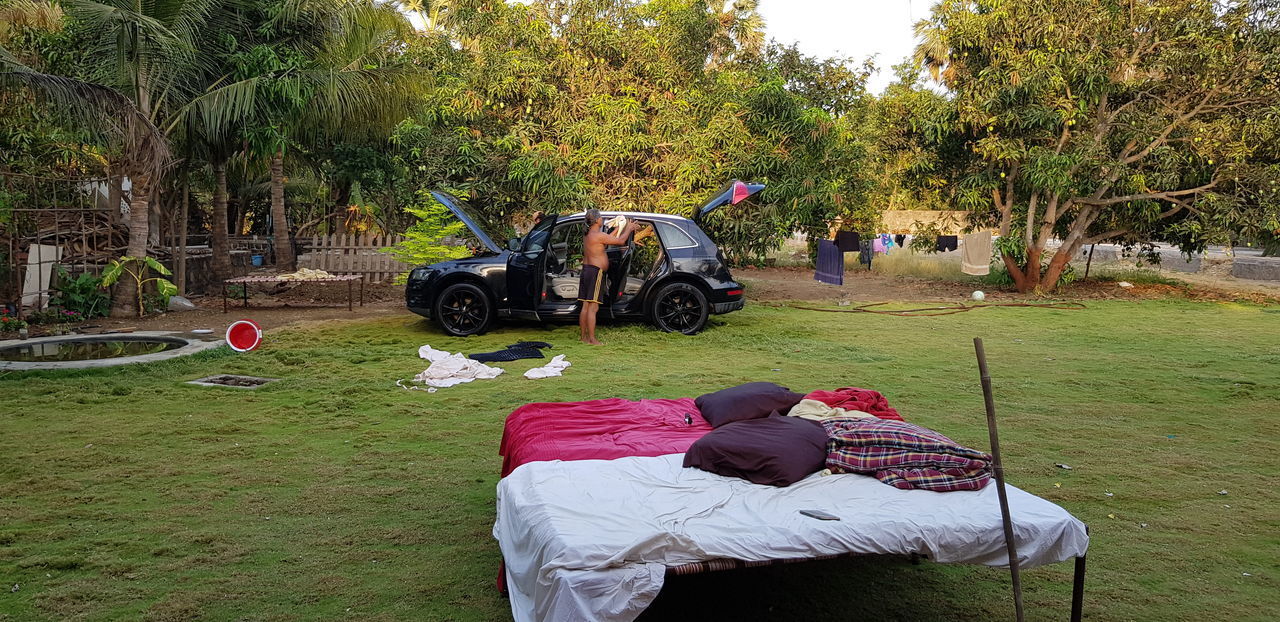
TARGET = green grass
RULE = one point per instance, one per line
(1137, 276)
(125, 494)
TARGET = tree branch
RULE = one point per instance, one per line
(1143, 196)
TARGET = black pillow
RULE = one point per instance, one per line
(776, 450)
(745, 401)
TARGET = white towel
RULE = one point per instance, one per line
(555, 368)
(975, 254)
(447, 369)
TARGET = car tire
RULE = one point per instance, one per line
(464, 309)
(679, 308)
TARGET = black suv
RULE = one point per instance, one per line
(675, 279)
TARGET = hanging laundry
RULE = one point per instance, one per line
(947, 243)
(900, 240)
(888, 241)
(865, 252)
(878, 245)
(555, 368)
(975, 255)
(848, 241)
(830, 264)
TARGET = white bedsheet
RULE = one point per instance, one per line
(590, 539)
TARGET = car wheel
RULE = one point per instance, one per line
(679, 308)
(464, 309)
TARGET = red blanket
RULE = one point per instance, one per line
(853, 398)
(599, 430)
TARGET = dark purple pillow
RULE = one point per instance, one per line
(745, 401)
(777, 450)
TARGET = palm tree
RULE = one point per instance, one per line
(319, 70)
(138, 57)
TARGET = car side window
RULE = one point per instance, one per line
(673, 237)
(537, 238)
(566, 246)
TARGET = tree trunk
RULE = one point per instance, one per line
(279, 219)
(341, 200)
(218, 229)
(124, 298)
(181, 268)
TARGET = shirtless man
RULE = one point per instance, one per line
(595, 264)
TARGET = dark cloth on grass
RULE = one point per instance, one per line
(509, 354)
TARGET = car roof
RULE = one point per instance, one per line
(645, 215)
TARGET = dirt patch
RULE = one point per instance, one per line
(308, 302)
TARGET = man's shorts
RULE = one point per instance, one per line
(591, 285)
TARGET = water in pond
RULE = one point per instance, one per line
(84, 350)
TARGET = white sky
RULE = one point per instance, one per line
(857, 28)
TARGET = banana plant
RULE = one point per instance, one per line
(137, 268)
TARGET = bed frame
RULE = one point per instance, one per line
(1077, 588)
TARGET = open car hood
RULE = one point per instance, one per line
(468, 218)
(728, 194)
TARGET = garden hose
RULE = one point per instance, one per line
(945, 309)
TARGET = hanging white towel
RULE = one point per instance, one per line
(555, 368)
(975, 255)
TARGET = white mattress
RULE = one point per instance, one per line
(590, 539)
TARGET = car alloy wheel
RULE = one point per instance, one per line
(464, 309)
(680, 308)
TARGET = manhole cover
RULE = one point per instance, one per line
(233, 381)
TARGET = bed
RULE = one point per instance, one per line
(595, 510)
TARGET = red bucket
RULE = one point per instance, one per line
(244, 335)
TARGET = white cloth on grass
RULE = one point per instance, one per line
(555, 368)
(589, 540)
(447, 370)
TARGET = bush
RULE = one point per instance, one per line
(83, 294)
(9, 323)
(421, 245)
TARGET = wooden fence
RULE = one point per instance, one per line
(354, 253)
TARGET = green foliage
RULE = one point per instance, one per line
(54, 316)
(1091, 120)
(557, 106)
(82, 294)
(422, 243)
(137, 268)
(10, 323)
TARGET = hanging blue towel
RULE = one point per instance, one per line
(830, 263)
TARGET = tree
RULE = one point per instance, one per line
(1093, 120)
(559, 105)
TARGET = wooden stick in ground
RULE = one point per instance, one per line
(998, 469)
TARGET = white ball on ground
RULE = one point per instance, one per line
(978, 295)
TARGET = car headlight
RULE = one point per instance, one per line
(420, 274)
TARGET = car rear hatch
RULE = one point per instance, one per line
(468, 218)
(729, 194)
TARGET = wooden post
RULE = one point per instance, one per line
(998, 470)
(1090, 261)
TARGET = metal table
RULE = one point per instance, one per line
(349, 279)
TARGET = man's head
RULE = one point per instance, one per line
(593, 217)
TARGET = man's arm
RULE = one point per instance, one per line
(621, 237)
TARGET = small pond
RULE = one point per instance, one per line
(88, 349)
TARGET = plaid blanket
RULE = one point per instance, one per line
(903, 455)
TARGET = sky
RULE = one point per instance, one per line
(856, 28)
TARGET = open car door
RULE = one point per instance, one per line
(468, 218)
(729, 194)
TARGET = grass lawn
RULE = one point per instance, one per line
(125, 494)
